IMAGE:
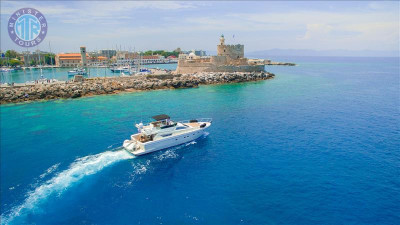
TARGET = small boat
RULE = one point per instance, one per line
(164, 133)
(77, 71)
(144, 72)
(5, 70)
(123, 74)
(124, 69)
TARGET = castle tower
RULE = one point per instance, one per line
(83, 56)
(222, 40)
(230, 51)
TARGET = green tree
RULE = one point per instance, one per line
(49, 59)
(3, 62)
(33, 63)
(15, 62)
(11, 54)
(161, 52)
(148, 52)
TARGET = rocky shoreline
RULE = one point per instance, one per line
(113, 85)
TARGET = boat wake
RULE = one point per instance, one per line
(49, 170)
(142, 167)
(79, 169)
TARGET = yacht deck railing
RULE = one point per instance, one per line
(200, 120)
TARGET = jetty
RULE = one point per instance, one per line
(113, 85)
(280, 63)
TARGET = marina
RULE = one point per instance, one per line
(61, 74)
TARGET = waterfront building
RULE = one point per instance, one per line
(152, 59)
(94, 54)
(109, 53)
(75, 60)
(69, 59)
(129, 58)
(79, 59)
(172, 59)
(98, 61)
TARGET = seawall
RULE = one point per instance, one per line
(280, 64)
(113, 85)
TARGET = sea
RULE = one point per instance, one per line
(318, 144)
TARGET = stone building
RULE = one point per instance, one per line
(229, 58)
(81, 59)
(69, 59)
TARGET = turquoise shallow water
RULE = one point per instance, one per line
(319, 144)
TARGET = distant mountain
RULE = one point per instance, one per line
(310, 52)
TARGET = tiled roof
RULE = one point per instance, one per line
(71, 56)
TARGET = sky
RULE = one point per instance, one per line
(259, 25)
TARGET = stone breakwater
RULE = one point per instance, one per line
(112, 85)
(280, 64)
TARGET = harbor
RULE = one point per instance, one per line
(113, 85)
(228, 66)
(30, 75)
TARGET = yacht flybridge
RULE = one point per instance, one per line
(164, 133)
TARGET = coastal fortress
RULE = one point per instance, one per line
(229, 58)
(228, 66)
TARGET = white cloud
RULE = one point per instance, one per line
(373, 27)
(95, 11)
(316, 31)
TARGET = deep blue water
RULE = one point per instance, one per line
(319, 144)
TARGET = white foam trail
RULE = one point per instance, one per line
(168, 154)
(141, 168)
(49, 170)
(79, 169)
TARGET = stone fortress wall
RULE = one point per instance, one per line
(229, 58)
(231, 51)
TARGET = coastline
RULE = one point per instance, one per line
(116, 85)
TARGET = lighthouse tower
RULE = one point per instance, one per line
(83, 56)
(222, 40)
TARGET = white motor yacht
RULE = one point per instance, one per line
(164, 133)
(77, 71)
(124, 69)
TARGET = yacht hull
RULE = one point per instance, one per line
(167, 142)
